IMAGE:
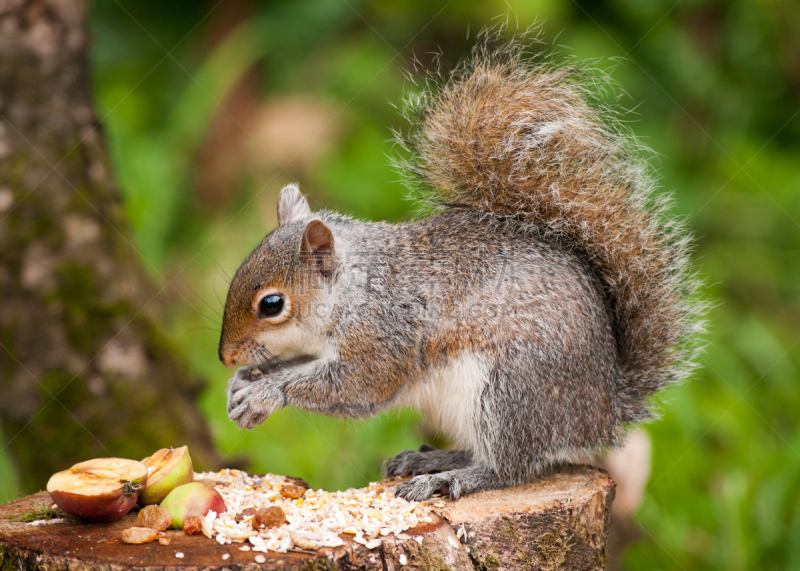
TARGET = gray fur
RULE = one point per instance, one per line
(292, 205)
(415, 462)
(420, 295)
(512, 333)
(455, 483)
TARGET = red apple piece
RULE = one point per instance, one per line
(100, 490)
(192, 499)
(167, 469)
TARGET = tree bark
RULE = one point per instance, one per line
(86, 370)
(558, 522)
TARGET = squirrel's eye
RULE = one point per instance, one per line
(270, 305)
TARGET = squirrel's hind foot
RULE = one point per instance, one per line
(455, 483)
(425, 461)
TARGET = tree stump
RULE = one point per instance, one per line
(557, 522)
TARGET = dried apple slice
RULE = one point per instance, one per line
(167, 469)
(103, 489)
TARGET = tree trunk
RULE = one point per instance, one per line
(558, 522)
(86, 371)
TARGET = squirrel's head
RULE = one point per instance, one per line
(270, 311)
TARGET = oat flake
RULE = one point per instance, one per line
(313, 521)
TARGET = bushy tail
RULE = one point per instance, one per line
(527, 144)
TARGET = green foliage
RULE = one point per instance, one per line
(714, 86)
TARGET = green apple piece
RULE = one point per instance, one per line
(100, 490)
(167, 469)
(196, 498)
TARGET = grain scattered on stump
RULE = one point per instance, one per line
(558, 522)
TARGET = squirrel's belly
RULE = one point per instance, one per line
(449, 397)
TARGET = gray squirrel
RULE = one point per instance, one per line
(529, 318)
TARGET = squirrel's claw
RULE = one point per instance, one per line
(246, 417)
(250, 402)
(399, 465)
(252, 411)
(425, 461)
(455, 483)
(421, 488)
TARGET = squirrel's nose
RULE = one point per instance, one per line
(228, 358)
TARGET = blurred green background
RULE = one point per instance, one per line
(210, 107)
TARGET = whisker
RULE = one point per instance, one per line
(269, 358)
(204, 328)
(216, 294)
(191, 289)
(300, 319)
(187, 305)
(220, 268)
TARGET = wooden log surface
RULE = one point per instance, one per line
(557, 522)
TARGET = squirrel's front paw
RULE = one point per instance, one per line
(250, 402)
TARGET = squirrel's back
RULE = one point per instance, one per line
(523, 144)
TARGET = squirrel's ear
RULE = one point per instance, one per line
(292, 206)
(317, 247)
